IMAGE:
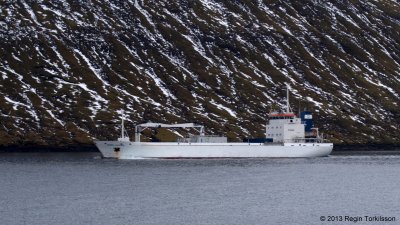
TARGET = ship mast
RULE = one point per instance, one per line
(287, 99)
(123, 136)
(122, 128)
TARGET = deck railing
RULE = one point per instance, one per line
(305, 140)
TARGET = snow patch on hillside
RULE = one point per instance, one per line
(95, 71)
(220, 106)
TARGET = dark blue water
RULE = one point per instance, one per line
(82, 188)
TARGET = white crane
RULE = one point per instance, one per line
(142, 126)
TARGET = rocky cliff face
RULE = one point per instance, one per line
(70, 69)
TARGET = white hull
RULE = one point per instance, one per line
(137, 150)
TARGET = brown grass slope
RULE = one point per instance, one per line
(68, 70)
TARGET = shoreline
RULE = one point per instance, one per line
(365, 147)
(71, 148)
(337, 150)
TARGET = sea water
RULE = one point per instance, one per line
(83, 188)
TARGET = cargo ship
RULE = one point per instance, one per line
(286, 135)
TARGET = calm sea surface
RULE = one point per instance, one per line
(82, 188)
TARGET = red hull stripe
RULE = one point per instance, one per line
(281, 115)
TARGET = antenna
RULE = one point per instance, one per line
(287, 99)
(122, 127)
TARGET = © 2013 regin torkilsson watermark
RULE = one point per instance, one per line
(355, 219)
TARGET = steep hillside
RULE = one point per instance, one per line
(69, 69)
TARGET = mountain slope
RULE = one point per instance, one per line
(69, 69)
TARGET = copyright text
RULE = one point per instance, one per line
(356, 219)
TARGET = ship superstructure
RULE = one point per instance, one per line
(285, 126)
